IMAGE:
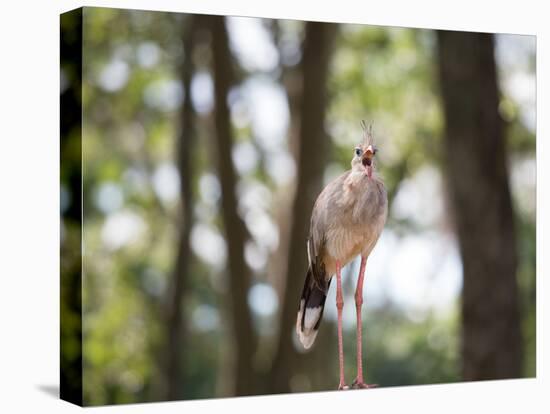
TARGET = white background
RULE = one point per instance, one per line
(29, 194)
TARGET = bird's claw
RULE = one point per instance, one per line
(343, 387)
(359, 385)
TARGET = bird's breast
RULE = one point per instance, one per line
(343, 244)
(357, 221)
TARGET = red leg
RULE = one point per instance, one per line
(359, 382)
(340, 306)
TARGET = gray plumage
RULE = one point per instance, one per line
(347, 220)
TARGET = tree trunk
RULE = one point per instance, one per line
(477, 174)
(311, 159)
(244, 337)
(175, 327)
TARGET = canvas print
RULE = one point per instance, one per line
(252, 206)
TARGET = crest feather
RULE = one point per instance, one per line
(367, 133)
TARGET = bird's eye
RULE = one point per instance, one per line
(358, 151)
(374, 151)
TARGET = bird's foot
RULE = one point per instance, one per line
(343, 386)
(358, 385)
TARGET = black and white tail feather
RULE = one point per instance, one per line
(312, 303)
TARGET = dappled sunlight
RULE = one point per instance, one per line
(263, 300)
(420, 200)
(148, 54)
(205, 318)
(114, 75)
(245, 157)
(418, 266)
(267, 106)
(262, 228)
(209, 245)
(109, 197)
(166, 182)
(163, 94)
(122, 228)
(516, 57)
(202, 92)
(256, 256)
(523, 179)
(209, 188)
(252, 44)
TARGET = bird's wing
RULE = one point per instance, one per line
(318, 228)
(316, 264)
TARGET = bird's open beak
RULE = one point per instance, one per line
(367, 160)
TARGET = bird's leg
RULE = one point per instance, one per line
(340, 306)
(359, 382)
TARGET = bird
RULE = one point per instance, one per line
(347, 220)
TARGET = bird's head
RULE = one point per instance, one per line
(363, 156)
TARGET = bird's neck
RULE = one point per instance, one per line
(357, 182)
(358, 175)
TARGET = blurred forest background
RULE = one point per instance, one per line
(205, 142)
